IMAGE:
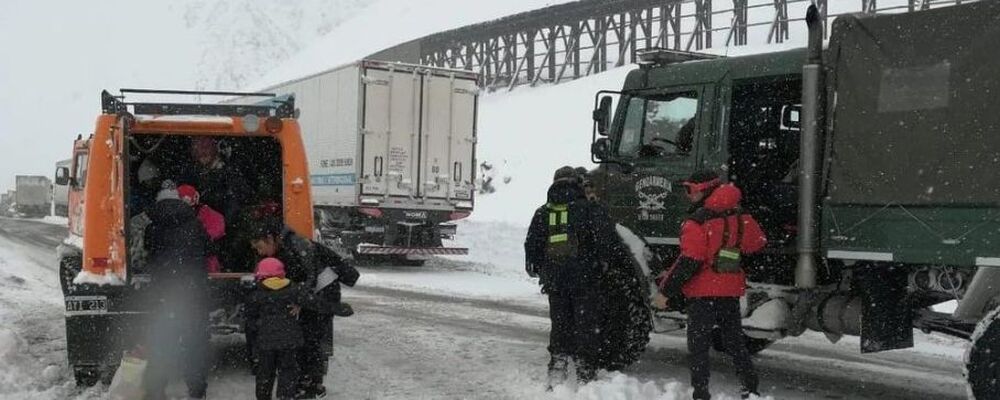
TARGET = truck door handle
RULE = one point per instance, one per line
(377, 166)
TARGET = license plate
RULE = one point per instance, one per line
(415, 214)
(86, 305)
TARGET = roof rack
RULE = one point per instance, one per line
(654, 56)
(281, 108)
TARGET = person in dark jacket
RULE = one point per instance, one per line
(708, 275)
(178, 333)
(224, 189)
(565, 249)
(304, 264)
(273, 308)
(221, 187)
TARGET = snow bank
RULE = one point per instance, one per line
(614, 386)
(31, 328)
(55, 220)
(87, 277)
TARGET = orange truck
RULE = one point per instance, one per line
(101, 282)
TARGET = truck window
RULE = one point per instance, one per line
(81, 169)
(662, 125)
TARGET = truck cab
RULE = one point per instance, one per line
(103, 282)
(860, 160)
(680, 112)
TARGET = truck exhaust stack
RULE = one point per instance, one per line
(813, 112)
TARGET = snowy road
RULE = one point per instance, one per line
(415, 335)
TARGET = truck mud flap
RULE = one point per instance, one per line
(886, 318)
(412, 251)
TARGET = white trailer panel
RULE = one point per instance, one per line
(393, 135)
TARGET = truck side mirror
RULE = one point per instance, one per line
(601, 149)
(62, 176)
(602, 115)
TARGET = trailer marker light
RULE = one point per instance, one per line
(251, 123)
(456, 215)
(99, 262)
(273, 125)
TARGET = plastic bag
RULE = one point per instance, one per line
(127, 383)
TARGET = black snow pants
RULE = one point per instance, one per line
(312, 356)
(576, 330)
(281, 364)
(706, 314)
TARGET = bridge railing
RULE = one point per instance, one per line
(571, 40)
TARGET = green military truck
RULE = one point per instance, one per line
(872, 165)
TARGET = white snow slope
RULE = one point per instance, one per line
(58, 55)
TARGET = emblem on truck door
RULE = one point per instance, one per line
(652, 192)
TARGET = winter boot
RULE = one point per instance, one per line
(312, 391)
(749, 394)
(585, 372)
(701, 394)
(558, 371)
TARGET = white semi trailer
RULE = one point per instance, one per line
(391, 151)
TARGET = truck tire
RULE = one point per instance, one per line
(754, 345)
(69, 267)
(86, 376)
(982, 365)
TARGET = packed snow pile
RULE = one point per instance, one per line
(619, 386)
(31, 328)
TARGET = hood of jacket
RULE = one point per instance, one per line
(275, 283)
(171, 212)
(724, 198)
(564, 192)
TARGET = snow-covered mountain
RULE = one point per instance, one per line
(241, 40)
(58, 55)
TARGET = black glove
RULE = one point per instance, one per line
(531, 269)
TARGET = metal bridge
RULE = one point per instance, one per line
(571, 40)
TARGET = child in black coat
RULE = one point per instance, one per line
(272, 310)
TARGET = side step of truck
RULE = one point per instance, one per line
(415, 251)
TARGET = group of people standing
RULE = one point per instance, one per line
(181, 237)
(571, 243)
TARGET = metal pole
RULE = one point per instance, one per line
(813, 112)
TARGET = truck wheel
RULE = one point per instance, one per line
(69, 267)
(86, 376)
(982, 365)
(754, 345)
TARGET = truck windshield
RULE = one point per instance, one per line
(659, 125)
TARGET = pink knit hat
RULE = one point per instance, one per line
(270, 268)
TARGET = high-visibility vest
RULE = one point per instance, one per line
(560, 246)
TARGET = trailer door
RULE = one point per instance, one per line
(390, 132)
(449, 135)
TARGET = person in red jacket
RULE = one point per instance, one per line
(709, 277)
(213, 221)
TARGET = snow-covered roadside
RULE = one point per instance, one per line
(55, 220)
(32, 343)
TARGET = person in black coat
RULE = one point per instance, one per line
(273, 308)
(566, 247)
(178, 334)
(312, 266)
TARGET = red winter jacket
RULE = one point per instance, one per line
(701, 240)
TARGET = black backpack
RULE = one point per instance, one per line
(560, 244)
